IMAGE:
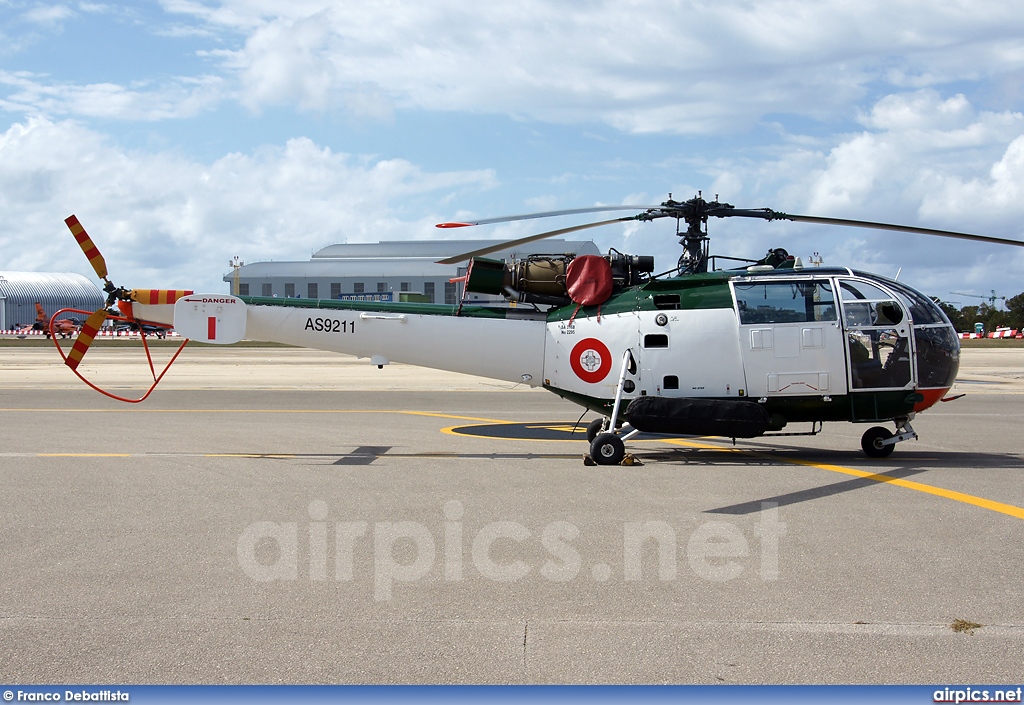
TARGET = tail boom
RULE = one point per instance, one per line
(497, 348)
(487, 343)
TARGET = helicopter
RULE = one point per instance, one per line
(698, 350)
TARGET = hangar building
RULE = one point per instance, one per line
(389, 268)
(19, 292)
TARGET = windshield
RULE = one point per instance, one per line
(922, 309)
(936, 344)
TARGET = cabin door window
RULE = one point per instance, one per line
(791, 338)
(877, 334)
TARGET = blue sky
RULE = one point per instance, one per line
(185, 132)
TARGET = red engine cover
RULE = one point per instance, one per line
(588, 280)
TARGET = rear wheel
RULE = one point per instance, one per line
(607, 449)
(593, 428)
(871, 442)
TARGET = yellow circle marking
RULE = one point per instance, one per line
(451, 431)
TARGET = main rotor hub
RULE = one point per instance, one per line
(695, 213)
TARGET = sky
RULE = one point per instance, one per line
(183, 133)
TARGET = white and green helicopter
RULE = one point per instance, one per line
(737, 353)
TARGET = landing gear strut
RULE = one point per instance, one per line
(879, 442)
(607, 447)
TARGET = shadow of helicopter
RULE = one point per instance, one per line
(831, 490)
(767, 455)
(912, 463)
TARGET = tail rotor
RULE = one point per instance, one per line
(85, 337)
(115, 295)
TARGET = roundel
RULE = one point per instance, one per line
(591, 360)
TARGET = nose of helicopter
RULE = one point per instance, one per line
(938, 361)
(930, 397)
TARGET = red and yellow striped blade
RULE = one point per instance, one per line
(85, 242)
(85, 338)
(152, 297)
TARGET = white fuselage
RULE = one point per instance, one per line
(511, 350)
(679, 353)
(783, 337)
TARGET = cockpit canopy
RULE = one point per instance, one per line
(879, 315)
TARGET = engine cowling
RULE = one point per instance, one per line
(550, 280)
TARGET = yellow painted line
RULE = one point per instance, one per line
(260, 411)
(452, 416)
(991, 505)
(211, 411)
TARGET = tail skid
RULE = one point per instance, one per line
(88, 334)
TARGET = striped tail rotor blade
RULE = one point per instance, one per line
(153, 297)
(85, 338)
(85, 242)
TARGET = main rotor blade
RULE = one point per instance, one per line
(546, 214)
(524, 240)
(85, 242)
(85, 337)
(768, 214)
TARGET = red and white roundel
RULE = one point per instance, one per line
(591, 360)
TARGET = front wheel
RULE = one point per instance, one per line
(607, 449)
(871, 442)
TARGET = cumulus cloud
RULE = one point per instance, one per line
(165, 220)
(887, 140)
(286, 64)
(47, 14)
(645, 67)
(1000, 191)
(683, 67)
(34, 95)
(916, 147)
(921, 160)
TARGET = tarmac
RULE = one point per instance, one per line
(288, 516)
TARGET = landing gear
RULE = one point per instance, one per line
(607, 449)
(872, 442)
(879, 442)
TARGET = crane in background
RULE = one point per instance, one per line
(992, 298)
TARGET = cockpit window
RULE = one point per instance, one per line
(785, 302)
(865, 304)
(861, 291)
(922, 309)
(882, 313)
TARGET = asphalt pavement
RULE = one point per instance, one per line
(444, 529)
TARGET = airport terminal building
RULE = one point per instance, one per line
(386, 270)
